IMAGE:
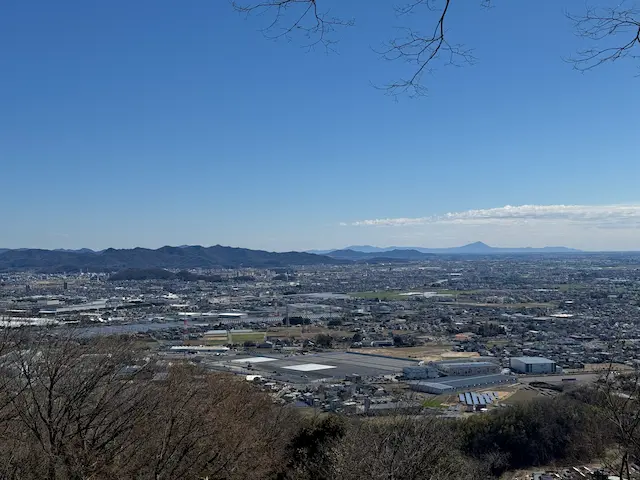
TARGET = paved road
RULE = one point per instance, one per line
(580, 377)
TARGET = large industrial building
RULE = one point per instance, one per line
(532, 365)
(456, 384)
(451, 368)
(466, 369)
(450, 377)
(420, 372)
(317, 367)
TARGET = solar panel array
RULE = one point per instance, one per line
(475, 399)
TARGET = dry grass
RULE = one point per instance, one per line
(247, 337)
(426, 353)
(603, 367)
(448, 355)
(521, 396)
(303, 331)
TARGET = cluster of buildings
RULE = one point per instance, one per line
(450, 377)
(505, 316)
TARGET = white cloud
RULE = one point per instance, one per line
(597, 216)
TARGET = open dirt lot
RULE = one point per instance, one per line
(426, 353)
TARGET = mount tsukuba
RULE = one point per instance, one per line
(476, 248)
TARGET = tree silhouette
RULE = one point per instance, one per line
(614, 33)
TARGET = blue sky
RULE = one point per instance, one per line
(160, 122)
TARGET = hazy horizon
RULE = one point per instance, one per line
(328, 249)
(584, 227)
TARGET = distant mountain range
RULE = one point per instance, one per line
(476, 248)
(380, 257)
(193, 256)
(166, 257)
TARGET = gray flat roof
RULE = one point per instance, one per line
(467, 364)
(460, 382)
(341, 364)
(457, 382)
(533, 360)
(442, 386)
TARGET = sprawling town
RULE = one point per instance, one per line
(368, 338)
(448, 337)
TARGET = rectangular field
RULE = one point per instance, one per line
(246, 337)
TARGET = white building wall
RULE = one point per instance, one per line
(520, 366)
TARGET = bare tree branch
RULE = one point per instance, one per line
(291, 17)
(89, 408)
(422, 50)
(616, 32)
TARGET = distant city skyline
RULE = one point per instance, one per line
(157, 122)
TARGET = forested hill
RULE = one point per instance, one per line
(165, 257)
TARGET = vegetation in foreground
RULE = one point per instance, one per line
(103, 409)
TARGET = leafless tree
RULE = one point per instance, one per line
(422, 50)
(619, 399)
(402, 447)
(613, 31)
(385, 448)
(68, 407)
(212, 426)
(288, 18)
(89, 409)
